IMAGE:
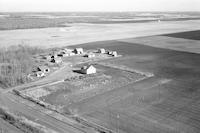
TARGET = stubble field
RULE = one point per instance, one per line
(167, 102)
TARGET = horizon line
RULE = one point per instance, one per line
(86, 11)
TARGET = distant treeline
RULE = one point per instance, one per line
(15, 63)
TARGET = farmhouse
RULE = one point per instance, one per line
(43, 69)
(90, 69)
(78, 50)
(102, 51)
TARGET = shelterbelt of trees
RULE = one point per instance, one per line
(15, 63)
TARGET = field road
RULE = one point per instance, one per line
(40, 117)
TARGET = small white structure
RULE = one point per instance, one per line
(66, 54)
(90, 55)
(40, 74)
(90, 69)
(47, 57)
(68, 50)
(43, 69)
(57, 60)
(110, 52)
(114, 53)
(78, 50)
(71, 54)
(102, 51)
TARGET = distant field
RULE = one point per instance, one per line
(84, 33)
(30, 20)
(184, 41)
(193, 35)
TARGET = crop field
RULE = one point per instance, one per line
(169, 102)
(193, 35)
(184, 41)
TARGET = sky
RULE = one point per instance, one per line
(98, 5)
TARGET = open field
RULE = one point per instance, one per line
(176, 41)
(193, 35)
(168, 102)
(83, 33)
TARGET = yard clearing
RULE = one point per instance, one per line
(79, 87)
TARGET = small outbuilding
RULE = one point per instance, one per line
(78, 50)
(43, 69)
(47, 57)
(54, 56)
(90, 69)
(39, 74)
(90, 55)
(114, 53)
(102, 51)
(110, 52)
(68, 50)
(57, 60)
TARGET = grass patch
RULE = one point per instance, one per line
(23, 123)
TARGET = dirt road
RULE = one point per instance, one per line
(12, 102)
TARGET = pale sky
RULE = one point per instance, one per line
(99, 5)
